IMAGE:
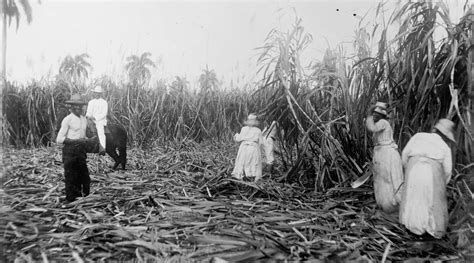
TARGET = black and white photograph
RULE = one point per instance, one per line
(237, 131)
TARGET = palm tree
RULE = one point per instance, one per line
(10, 10)
(138, 68)
(75, 69)
(179, 85)
(208, 80)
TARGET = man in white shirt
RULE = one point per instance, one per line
(97, 112)
(73, 136)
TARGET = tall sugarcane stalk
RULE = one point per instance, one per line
(470, 109)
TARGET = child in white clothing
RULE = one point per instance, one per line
(269, 135)
(249, 157)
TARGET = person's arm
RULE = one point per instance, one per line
(246, 134)
(238, 136)
(375, 127)
(447, 164)
(62, 131)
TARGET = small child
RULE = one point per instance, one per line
(249, 157)
(269, 143)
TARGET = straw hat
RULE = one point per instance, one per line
(98, 89)
(446, 127)
(76, 99)
(380, 104)
(251, 120)
(381, 108)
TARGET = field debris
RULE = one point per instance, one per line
(182, 205)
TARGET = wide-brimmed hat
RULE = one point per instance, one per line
(98, 89)
(76, 99)
(381, 108)
(446, 127)
(251, 120)
(382, 105)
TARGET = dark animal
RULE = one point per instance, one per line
(115, 139)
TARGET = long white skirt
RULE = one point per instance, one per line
(388, 177)
(248, 161)
(424, 204)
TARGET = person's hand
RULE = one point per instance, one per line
(92, 118)
(371, 110)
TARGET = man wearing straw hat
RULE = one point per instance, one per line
(73, 135)
(428, 167)
(97, 112)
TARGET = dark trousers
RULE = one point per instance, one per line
(76, 173)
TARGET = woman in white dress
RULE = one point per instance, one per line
(428, 167)
(387, 164)
(249, 158)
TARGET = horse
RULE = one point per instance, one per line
(115, 139)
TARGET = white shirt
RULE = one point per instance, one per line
(429, 145)
(250, 134)
(72, 127)
(97, 108)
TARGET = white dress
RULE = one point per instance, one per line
(249, 157)
(387, 166)
(428, 167)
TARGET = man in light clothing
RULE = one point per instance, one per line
(73, 137)
(97, 112)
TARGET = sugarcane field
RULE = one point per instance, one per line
(237, 131)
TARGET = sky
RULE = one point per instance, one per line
(184, 37)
